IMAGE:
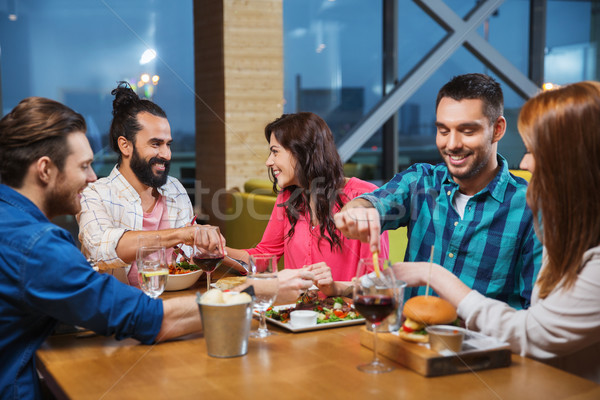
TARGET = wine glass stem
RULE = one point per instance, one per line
(262, 325)
(207, 281)
(375, 359)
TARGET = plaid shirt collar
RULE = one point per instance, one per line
(496, 188)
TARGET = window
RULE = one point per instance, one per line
(75, 52)
(332, 59)
(572, 34)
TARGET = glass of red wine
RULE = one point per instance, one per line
(208, 250)
(375, 298)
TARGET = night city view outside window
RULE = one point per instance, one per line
(333, 60)
(333, 63)
(75, 52)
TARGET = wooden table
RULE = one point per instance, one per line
(309, 365)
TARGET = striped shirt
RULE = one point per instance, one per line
(111, 206)
(492, 249)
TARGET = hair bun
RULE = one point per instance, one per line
(124, 97)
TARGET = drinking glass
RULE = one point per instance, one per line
(153, 271)
(375, 296)
(154, 240)
(208, 250)
(263, 277)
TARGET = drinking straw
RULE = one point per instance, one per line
(376, 263)
(429, 278)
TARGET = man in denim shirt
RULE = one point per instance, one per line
(45, 163)
(470, 209)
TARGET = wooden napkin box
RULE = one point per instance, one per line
(427, 362)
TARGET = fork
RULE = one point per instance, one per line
(177, 250)
(303, 297)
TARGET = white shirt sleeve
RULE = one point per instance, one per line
(563, 323)
(99, 231)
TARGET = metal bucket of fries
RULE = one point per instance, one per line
(226, 322)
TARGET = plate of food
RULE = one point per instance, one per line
(332, 312)
(182, 275)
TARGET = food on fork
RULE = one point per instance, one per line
(422, 311)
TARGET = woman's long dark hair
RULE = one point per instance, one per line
(319, 171)
(560, 129)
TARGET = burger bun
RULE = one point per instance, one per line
(413, 337)
(429, 310)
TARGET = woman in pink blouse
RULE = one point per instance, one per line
(308, 175)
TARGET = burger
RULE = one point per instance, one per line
(422, 311)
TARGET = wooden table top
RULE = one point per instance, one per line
(288, 365)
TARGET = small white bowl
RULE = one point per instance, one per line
(303, 318)
(182, 281)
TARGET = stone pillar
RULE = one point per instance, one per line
(239, 89)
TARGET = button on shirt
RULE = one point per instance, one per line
(492, 249)
(44, 278)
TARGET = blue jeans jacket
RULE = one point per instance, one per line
(44, 279)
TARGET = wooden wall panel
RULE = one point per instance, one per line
(239, 84)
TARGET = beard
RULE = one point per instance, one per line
(477, 164)
(62, 200)
(143, 170)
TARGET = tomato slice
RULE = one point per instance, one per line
(407, 329)
(340, 313)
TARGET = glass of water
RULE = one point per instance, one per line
(153, 270)
(263, 277)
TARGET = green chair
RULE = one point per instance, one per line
(398, 240)
(521, 173)
(246, 218)
(259, 186)
(247, 215)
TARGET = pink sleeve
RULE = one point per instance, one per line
(272, 240)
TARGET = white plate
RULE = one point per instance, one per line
(324, 325)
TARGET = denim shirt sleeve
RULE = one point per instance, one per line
(57, 281)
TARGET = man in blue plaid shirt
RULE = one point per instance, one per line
(470, 208)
